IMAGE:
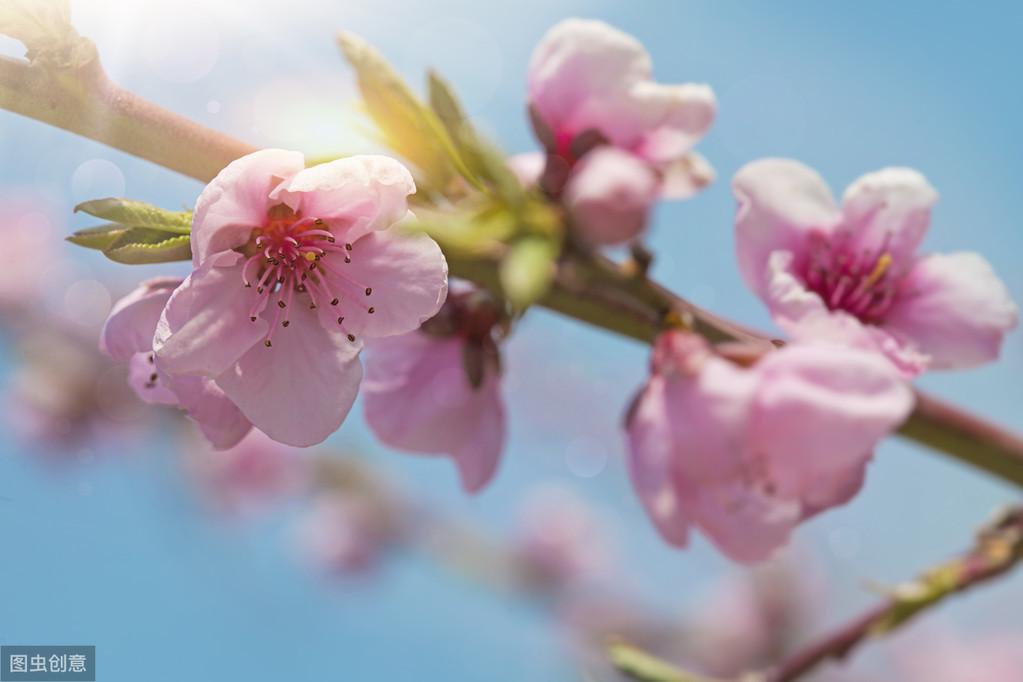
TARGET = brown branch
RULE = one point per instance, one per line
(590, 288)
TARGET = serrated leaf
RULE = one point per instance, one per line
(482, 159)
(100, 237)
(139, 245)
(408, 126)
(527, 270)
(132, 213)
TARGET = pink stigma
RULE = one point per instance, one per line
(860, 282)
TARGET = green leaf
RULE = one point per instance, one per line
(408, 126)
(132, 213)
(483, 160)
(527, 270)
(100, 238)
(140, 245)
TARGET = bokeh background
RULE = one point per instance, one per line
(106, 542)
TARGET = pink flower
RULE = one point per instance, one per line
(560, 539)
(591, 84)
(746, 454)
(857, 265)
(248, 476)
(438, 390)
(293, 266)
(28, 231)
(942, 656)
(343, 534)
(128, 337)
(609, 196)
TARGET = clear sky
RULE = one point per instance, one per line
(115, 552)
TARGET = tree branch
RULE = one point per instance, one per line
(590, 288)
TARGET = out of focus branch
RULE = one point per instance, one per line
(998, 549)
(78, 97)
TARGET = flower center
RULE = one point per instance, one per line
(296, 260)
(861, 282)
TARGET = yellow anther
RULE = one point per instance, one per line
(883, 263)
(310, 256)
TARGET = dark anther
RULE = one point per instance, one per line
(152, 358)
(369, 290)
(341, 319)
(348, 246)
(285, 323)
(335, 301)
(351, 337)
(248, 285)
(347, 259)
(318, 221)
(252, 319)
(267, 343)
(371, 310)
(282, 304)
(259, 290)
(153, 377)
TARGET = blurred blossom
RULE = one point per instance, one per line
(34, 257)
(592, 85)
(63, 394)
(344, 534)
(438, 390)
(560, 540)
(97, 178)
(940, 656)
(746, 454)
(853, 271)
(609, 196)
(749, 621)
(250, 476)
(293, 266)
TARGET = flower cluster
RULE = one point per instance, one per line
(294, 267)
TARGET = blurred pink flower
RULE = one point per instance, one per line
(28, 232)
(942, 657)
(128, 337)
(609, 196)
(560, 539)
(591, 84)
(343, 534)
(438, 390)
(250, 475)
(292, 266)
(746, 454)
(857, 266)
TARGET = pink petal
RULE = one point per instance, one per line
(890, 209)
(744, 523)
(609, 196)
(527, 167)
(586, 75)
(580, 61)
(651, 460)
(141, 373)
(300, 390)
(407, 275)
(818, 413)
(355, 195)
(953, 308)
(417, 397)
(685, 176)
(205, 326)
(785, 294)
(236, 201)
(129, 327)
(780, 202)
(217, 417)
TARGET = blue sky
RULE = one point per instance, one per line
(115, 552)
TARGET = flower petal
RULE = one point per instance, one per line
(954, 308)
(780, 202)
(651, 461)
(407, 276)
(818, 413)
(527, 167)
(355, 195)
(218, 418)
(147, 382)
(236, 201)
(580, 66)
(205, 325)
(129, 327)
(674, 118)
(685, 176)
(417, 397)
(300, 390)
(609, 196)
(744, 523)
(889, 209)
